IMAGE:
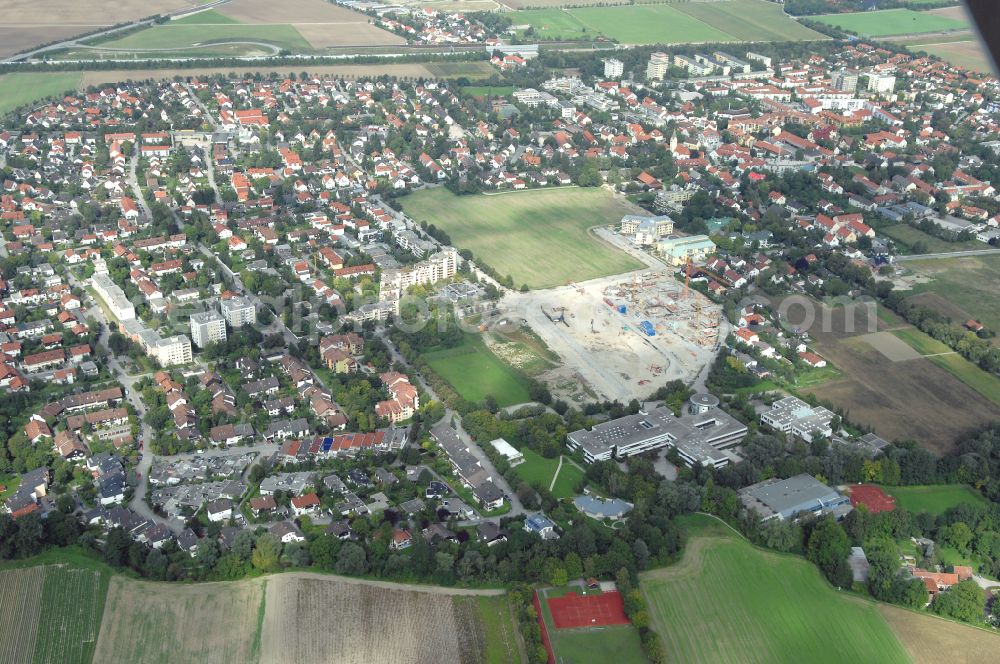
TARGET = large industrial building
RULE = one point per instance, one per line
(702, 434)
(791, 498)
(793, 415)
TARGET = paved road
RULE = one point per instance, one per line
(948, 254)
(133, 182)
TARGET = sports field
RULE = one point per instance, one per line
(21, 89)
(539, 237)
(891, 22)
(728, 601)
(610, 639)
(474, 371)
(934, 498)
(730, 20)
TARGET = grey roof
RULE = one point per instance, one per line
(605, 508)
(785, 498)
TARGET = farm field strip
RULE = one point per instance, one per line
(22, 89)
(20, 606)
(888, 22)
(968, 54)
(212, 623)
(72, 606)
(425, 626)
(988, 385)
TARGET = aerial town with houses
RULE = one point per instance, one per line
(207, 285)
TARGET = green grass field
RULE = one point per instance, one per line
(181, 36)
(539, 237)
(891, 22)
(731, 20)
(971, 283)
(536, 469)
(473, 70)
(474, 371)
(21, 89)
(614, 643)
(72, 606)
(205, 18)
(934, 498)
(906, 236)
(730, 602)
(498, 624)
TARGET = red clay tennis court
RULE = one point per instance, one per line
(872, 497)
(572, 610)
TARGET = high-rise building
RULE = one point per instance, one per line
(881, 84)
(173, 350)
(238, 311)
(206, 327)
(846, 80)
(613, 68)
(656, 70)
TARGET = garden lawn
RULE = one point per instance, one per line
(474, 371)
(891, 22)
(728, 601)
(539, 237)
(20, 89)
(934, 498)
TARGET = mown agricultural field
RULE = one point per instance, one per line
(729, 20)
(20, 606)
(179, 35)
(728, 601)
(539, 237)
(162, 622)
(970, 284)
(475, 372)
(891, 22)
(316, 618)
(936, 499)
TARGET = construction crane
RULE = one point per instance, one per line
(687, 278)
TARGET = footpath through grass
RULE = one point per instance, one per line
(727, 601)
(540, 237)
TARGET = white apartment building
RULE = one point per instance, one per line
(238, 311)
(442, 265)
(613, 68)
(173, 350)
(206, 327)
(656, 70)
(113, 297)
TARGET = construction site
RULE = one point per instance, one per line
(624, 335)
